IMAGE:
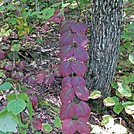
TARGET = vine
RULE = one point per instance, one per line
(74, 111)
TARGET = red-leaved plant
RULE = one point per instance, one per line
(74, 111)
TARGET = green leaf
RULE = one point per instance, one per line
(131, 57)
(8, 122)
(36, 13)
(10, 7)
(126, 36)
(16, 106)
(57, 122)
(109, 102)
(116, 99)
(15, 47)
(48, 12)
(13, 20)
(13, 96)
(127, 103)
(26, 14)
(118, 108)
(30, 109)
(124, 90)
(2, 8)
(131, 79)
(95, 94)
(107, 121)
(114, 84)
(65, 5)
(47, 127)
(2, 74)
(5, 86)
(57, 4)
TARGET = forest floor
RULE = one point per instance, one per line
(40, 51)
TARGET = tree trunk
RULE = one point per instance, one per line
(105, 42)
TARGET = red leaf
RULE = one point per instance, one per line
(65, 68)
(67, 94)
(41, 76)
(57, 20)
(78, 67)
(66, 81)
(80, 39)
(67, 111)
(66, 52)
(69, 126)
(30, 91)
(2, 54)
(81, 54)
(66, 39)
(21, 64)
(37, 123)
(34, 101)
(79, 27)
(82, 126)
(77, 81)
(82, 110)
(66, 27)
(4, 38)
(49, 79)
(82, 92)
(31, 79)
(57, 11)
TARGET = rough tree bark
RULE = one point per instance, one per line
(105, 42)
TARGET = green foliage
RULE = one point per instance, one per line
(8, 122)
(16, 106)
(57, 122)
(48, 12)
(47, 127)
(109, 102)
(95, 94)
(5, 86)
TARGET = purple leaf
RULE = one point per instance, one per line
(82, 126)
(77, 81)
(79, 27)
(66, 39)
(81, 54)
(82, 110)
(66, 81)
(21, 64)
(82, 92)
(49, 79)
(69, 126)
(65, 68)
(66, 27)
(67, 110)
(78, 67)
(80, 39)
(2, 54)
(41, 76)
(31, 79)
(66, 52)
(67, 94)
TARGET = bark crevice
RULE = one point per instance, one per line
(105, 41)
